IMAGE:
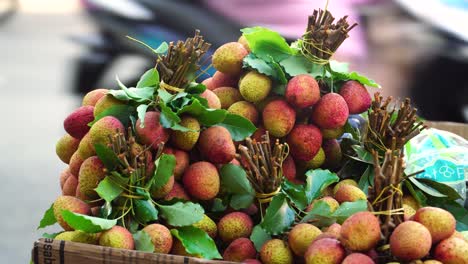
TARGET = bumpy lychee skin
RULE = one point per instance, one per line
(356, 96)
(160, 237)
(153, 133)
(64, 176)
(254, 86)
(439, 222)
(302, 91)
(104, 127)
(343, 182)
(86, 148)
(242, 40)
(72, 204)
(208, 225)
(75, 163)
(304, 142)
(333, 154)
(162, 191)
(360, 232)
(224, 80)
(69, 187)
(65, 147)
(316, 161)
(332, 133)
(201, 180)
(208, 82)
(234, 225)
(240, 250)
(276, 251)
(357, 258)
(332, 203)
(301, 236)
(215, 143)
(228, 58)
(92, 97)
(177, 192)
(182, 161)
(117, 237)
(76, 124)
(105, 103)
(452, 250)
(245, 109)
(227, 96)
(334, 229)
(326, 250)
(79, 237)
(410, 241)
(330, 112)
(349, 193)
(289, 168)
(92, 171)
(278, 118)
(212, 99)
(186, 140)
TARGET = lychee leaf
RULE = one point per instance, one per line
(234, 180)
(48, 218)
(267, 44)
(51, 235)
(279, 73)
(362, 154)
(107, 156)
(279, 216)
(196, 242)
(443, 188)
(182, 213)
(339, 72)
(426, 188)
(295, 193)
(165, 165)
(169, 119)
(108, 189)
(195, 88)
(298, 64)
(145, 211)
(367, 179)
(252, 62)
(141, 112)
(346, 209)
(86, 223)
(218, 205)
(149, 79)
(143, 241)
(140, 95)
(320, 212)
(121, 112)
(238, 126)
(317, 180)
(241, 201)
(211, 117)
(259, 236)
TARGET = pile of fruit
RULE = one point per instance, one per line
(282, 156)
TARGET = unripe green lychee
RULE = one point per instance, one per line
(72, 204)
(234, 225)
(302, 91)
(153, 133)
(330, 112)
(276, 251)
(92, 97)
(186, 140)
(301, 236)
(410, 241)
(439, 222)
(356, 96)
(228, 58)
(349, 193)
(201, 180)
(357, 258)
(325, 250)
(65, 147)
(254, 86)
(246, 110)
(212, 99)
(360, 232)
(216, 145)
(160, 237)
(91, 173)
(76, 124)
(105, 103)
(207, 225)
(240, 250)
(79, 237)
(452, 250)
(304, 142)
(227, 96)
(117, 237)
(278, 118)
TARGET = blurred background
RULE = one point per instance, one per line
(52, 51)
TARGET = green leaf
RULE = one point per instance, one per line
(317, 180)
(107, 156)
(211, 117)
(346, 209)
(149, 79)
(86, 223)
(416, 193)
(354, 132)
(195, 108)
(279, 73)
(320, 211)
(267, 44)
(141, 111)
(145, 211)
(425, 188)
(295, 193)
(196, 242)
(444, 189)
(52, 235)
(108, 189)
(279, 216)
(165, 96)
(367, 179)
(279, 89)
(182, 213)
(295, 65)
(143, 241)
(259, 236)
(362, 154)
(339, 72)
(234, 181)
(121, 112)
(162, 48)
(48, 218)
(218, 205)
(195, 88)
(238, 126)
(165, 165)
(252, 62)
(136, 94)
(169, 119)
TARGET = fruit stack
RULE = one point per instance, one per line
(282, 156)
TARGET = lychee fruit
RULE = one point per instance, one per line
(76, 124)
(317, 160)
(356, 96)
(212, 99)
(278, 118)
(64, 176)
(332, 133)
(330, 112)
(216, 145)
(289, 168)
(452, 250)
(410, 241)
(69, 187)
(242, 40)
(343, 182)
(276, 251)
(104, 127)
(254, 86)
(227, 96)
(208, 225)
(201, 180)
(334, 229)
(72, 204)
(160, 237)
(182, 161)
(86, 148)
(92, 171)
(75, 163)
(224, 80)
(117, 237)
(246, 110)
(208, 82)
(234, 225)
(177, 192)
(105, 103)
(349, 193)
(79, 237)
(360, 232)
(65, 147)
(161, 192)
(302, 91)
(301, 236)
(229, 57)
(325, 250)
(333, 154)
(240, 250)
(304, 142)
(153, 133)
(186, 140)
(92, 97)
(439, 222)
(357, 258)
(332, 203)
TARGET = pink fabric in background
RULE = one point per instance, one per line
(289, 17)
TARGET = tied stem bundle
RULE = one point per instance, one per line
(263, 165)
